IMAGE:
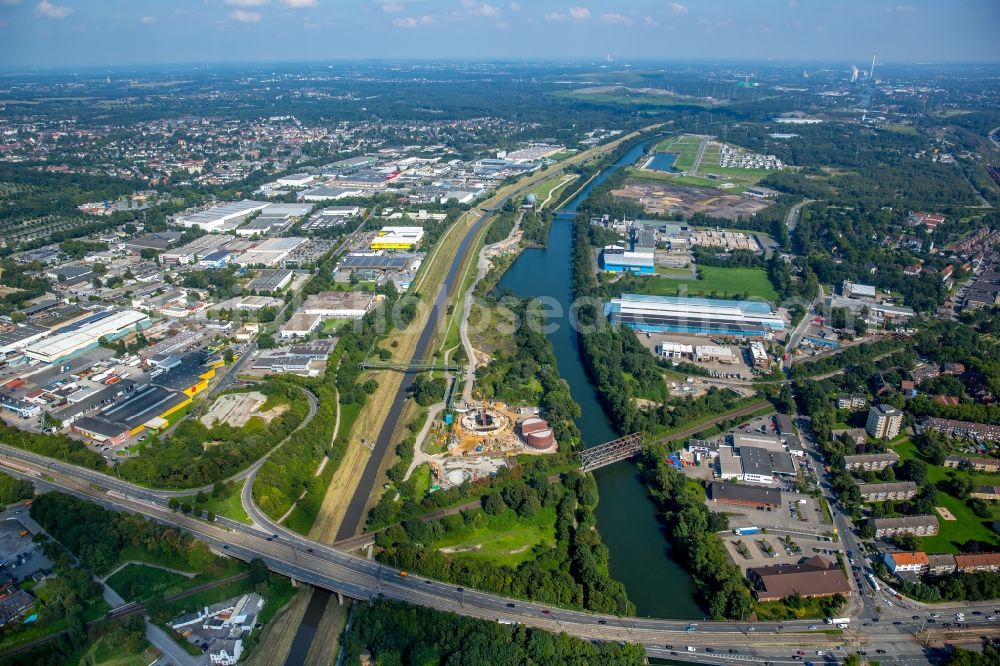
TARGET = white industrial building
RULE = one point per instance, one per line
(699, 316)
(86, 336)
(339, 304)
(221, 218)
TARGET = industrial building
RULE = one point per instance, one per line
(739, 495)
(699, 316)
(85, 335)
(814, 577)
(884, 421)
(339, 304)
(300, 325)
(146, 408)
(221, 218)
(397, 238)
(617, 260)
(271, 279)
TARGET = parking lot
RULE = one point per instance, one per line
(20, 557)
(772, 548)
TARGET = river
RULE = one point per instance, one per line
(626, 517)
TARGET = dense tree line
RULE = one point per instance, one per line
(195, 454)
(394, 633)
(514, 377)
(54, 446)
(573, 573)
(852, 356)
(13, 490)
(97, 536)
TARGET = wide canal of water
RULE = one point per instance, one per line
(626, 517)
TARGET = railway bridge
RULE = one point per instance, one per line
(611, 452)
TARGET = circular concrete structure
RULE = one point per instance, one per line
(534, 424)
(541, 439)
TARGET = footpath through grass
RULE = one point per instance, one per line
(505, 539)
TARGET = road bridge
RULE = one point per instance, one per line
(316, 564)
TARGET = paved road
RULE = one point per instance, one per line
(359, 578)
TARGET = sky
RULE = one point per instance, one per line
(78, 33)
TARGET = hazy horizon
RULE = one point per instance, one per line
(60, 34)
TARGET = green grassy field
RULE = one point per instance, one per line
(230, 507)
(967, 525)
(504, 539)
(138, 582)
(422, 481)
(685, 147)
(546, 188)
(104, 653)
(722, 282)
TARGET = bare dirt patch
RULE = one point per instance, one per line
(667, 198)
(946, 514)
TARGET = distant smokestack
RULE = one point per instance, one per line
(871, 74)
(854, 74)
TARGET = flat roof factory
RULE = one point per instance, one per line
(700, 316)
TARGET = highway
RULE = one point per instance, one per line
(359, 578)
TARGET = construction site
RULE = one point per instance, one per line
(475, 442)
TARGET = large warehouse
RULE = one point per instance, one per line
(221, 218)
(397, 238)
(86, 334)
(699, 316)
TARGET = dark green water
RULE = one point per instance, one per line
(626, 518)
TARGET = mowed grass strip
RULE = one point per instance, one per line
(722, 282)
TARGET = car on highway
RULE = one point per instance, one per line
(691, 648)
(812, 627)
(546, 611)
(819, 653)
(510, 605)
(602, 622)
(796, 657)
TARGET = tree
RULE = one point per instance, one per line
(201, 497)
(258, 571)
(493, 504)
(266, 341)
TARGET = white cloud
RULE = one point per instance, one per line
(579, 13)
(148, 19)
(501, 25)
(900, 9)
(678, 8)
(243, 16)
(554, 16)
(300, 4)
(616, 19)
(246, 3)
(414, 21)
(486, 9)
(515, 6)
(9, 3)
(46, 9)
(391, 6)
(650, 22)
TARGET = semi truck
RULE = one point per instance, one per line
(745, 531)
(838, 620)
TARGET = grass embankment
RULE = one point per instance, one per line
(716, 282)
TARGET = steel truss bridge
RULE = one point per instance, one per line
(611, 452)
